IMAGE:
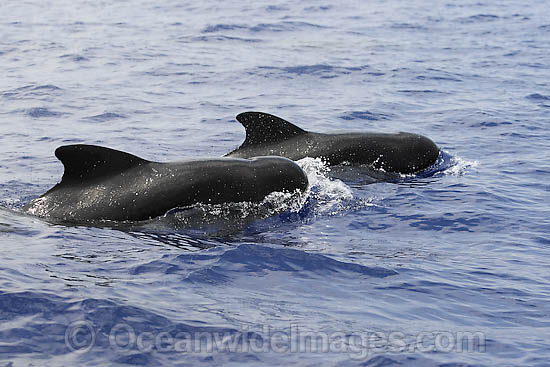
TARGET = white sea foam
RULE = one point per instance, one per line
(328, 196)
(320, 184)
(461, 166)
(452, 165)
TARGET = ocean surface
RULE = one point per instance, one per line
(445, 268)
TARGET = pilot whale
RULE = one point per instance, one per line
(271, 135)
(105, 184)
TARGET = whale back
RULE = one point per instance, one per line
(88, 162)
(270, 135)
(105, 184)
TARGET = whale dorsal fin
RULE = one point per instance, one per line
(86, 162)
(265, 128)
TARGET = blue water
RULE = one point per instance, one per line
(445, 268)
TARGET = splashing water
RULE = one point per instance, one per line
(320, 185)
(460, 166)
(448, 164)
(328, 195)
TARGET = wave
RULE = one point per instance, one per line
(324, 71)
(107, 116)
(31, 92)
(40, 112)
